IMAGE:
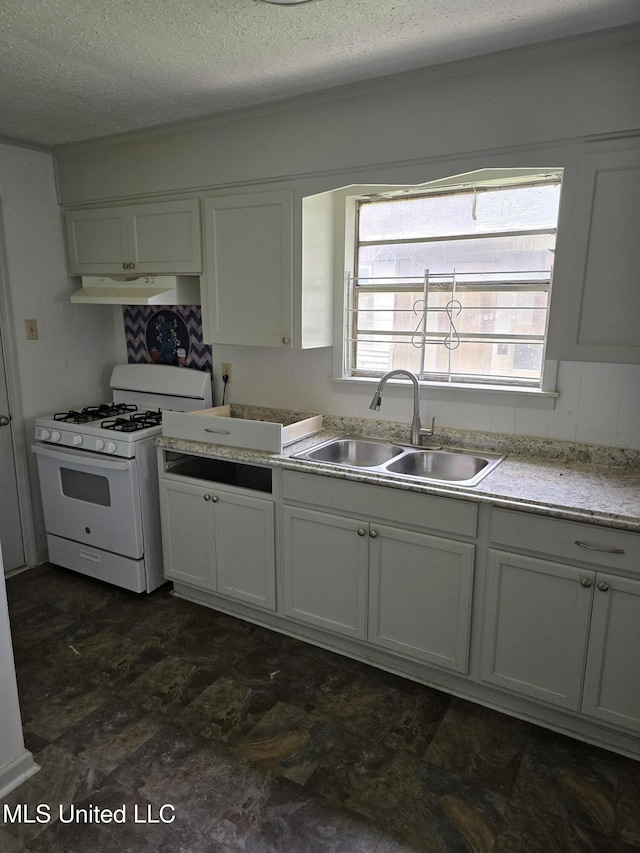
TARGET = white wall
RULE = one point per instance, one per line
(69, 364)
(598, 403)
(531, 96)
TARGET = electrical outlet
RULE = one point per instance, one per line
(31, 330)
(225, 368)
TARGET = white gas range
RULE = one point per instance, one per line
(98, 474)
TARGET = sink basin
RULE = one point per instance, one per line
(439, 465)
(356, 452)
(405, 462)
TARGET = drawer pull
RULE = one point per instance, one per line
(87, 555)
(601, 548)
(219, 431)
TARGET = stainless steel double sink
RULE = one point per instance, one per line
(437, 465)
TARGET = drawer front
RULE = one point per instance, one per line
(218, 429)
(407, 508)
(226, 432)
(566, 540)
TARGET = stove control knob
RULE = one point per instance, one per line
(111, 447)
(99, 443)
(44, 434)
(55, 435)
(77, 440)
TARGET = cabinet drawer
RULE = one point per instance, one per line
(406, 508)
(217, 426)
(566, 540)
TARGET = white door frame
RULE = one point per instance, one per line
(21, 444)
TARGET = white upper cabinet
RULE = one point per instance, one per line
(247, 293)
(159, 238)
(600, 318)
(257, 290)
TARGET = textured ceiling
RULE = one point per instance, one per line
(80, 69)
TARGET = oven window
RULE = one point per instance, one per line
(90, 488)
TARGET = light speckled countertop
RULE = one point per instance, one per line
(543, 477)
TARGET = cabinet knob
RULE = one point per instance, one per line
(585, 582)
(603, 587)
(207, 497)
(214, 499)
(128, 266)
(286, 340)
(373, 534)
(362, 531)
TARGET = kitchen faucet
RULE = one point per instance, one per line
(416, 426)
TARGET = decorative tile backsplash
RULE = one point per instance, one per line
(166, 334)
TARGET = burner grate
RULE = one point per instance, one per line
(138, 421)
(94, 413)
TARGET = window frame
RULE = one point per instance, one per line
(497, 281)
(490, 392)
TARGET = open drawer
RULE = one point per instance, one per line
(220, 425)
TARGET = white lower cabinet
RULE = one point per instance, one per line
(420, 596)
(325, 566)
(188, 538)
(219, 540)
(415, 589)
(564, 635)
(612, 677)
(536, 627)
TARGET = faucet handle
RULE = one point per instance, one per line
(428, 432)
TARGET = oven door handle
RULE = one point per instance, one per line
(89, 458)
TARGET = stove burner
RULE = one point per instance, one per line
(141, 420)
(94, 413)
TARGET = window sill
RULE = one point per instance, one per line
(496, 395)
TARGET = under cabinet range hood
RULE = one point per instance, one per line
(139, 290)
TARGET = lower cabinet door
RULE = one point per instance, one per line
(245, 549)
(536, 627)
(612, 681)
(188, 540)
(325, 560)
(420, 596)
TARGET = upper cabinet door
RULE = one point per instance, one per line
(97, 241)
(159, 238)
(248, 283)
(602, 297)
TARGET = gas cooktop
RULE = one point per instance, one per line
(125, 426)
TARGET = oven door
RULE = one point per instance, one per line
(92, 499)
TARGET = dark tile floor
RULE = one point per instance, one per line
(256, 742)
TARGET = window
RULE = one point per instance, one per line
(453, 283)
